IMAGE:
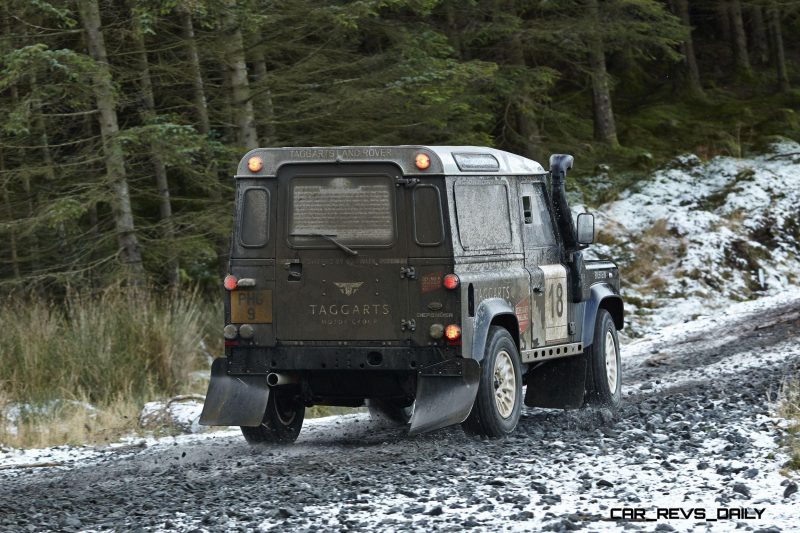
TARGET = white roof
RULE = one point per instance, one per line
(509, 163)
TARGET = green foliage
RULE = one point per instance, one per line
(510, 73)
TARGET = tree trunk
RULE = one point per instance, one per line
(454, 31)
(246, 136)
(198, 86)
(739, 42)
(777, 45)
(760, 42)
(264, 100)
(159, 168)
(605, 128)
(522, 107)
(130, 252)
(690, 73)
(724, 19)
(33, 238)
(12, 234)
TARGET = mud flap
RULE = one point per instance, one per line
(559, 384)
(445, 394)
(234, 400)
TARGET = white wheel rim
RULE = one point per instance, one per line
(505, 384)
(612, 373)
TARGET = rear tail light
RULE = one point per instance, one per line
(451, 281)
(452, 332)
(422, 161)
(230, 282)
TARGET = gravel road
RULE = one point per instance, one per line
(696, 431)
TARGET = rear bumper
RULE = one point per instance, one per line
(263, 360)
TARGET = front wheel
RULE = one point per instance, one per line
(282, 420)
(604, 383)
(498, 404)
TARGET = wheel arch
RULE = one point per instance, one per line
(493, 312)
(601, 296)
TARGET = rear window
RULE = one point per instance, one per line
(254, 230)
(428, 221)
(356, 210)
(483, 216)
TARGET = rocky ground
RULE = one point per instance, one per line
(697, 431)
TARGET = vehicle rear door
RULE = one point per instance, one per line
(341, 246)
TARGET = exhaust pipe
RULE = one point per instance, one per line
(274, 379)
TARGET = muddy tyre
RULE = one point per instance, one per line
(390, 410)
(498, 404)
(603, 380)
(282, 421)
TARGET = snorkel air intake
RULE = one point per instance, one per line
(559, 164)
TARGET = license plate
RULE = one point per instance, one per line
(253, 307)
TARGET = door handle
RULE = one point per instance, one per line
(295, 270)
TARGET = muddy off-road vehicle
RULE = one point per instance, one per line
(428, 282)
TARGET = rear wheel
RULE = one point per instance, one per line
(282, 421)
(498, 404)
(391, 410)
(604, 383)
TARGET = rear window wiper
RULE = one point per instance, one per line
(328, 237)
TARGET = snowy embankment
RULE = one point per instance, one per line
(698, 236)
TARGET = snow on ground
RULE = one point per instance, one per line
(722, 231)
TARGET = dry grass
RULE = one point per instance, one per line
(789, 408)
(656, 248)
(111, 352)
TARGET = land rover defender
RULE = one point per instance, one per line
(430, 283)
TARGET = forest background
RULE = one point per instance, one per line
(122, 121)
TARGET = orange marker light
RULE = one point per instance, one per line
(452, 332)
(230, 282)
(451, 281)
(255, 164)
(422, 161)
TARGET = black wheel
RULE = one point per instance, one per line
(391, 410)
(282, 419)
(603, 381)
(499, 401)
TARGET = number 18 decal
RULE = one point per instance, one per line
(555, 316)
(557, 303)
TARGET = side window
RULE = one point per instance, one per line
(483, 215)
(254, 218)
(537, 217)
(526, 210)
(428, 221)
